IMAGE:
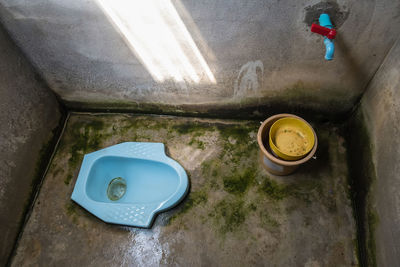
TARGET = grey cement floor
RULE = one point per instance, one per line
(236, 214)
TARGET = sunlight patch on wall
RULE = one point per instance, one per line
(159, 38)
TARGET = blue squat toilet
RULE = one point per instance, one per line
(130, 183)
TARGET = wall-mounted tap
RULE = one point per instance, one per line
(326, 29)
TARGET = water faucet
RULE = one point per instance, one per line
(326, 29)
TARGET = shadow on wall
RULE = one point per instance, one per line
(356, 68)
(158, 37)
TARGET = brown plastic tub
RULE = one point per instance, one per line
(269, 161)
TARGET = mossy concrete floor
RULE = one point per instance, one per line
(236, 214)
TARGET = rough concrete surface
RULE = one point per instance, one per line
(235, 214)
(28, 114)
(381, 106)
(260, 52)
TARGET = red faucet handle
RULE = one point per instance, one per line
(329, 33)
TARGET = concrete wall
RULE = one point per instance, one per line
(381, 108)
(28, 114)
(260, 52)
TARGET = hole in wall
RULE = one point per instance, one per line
(337, 13)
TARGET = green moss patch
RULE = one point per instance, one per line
(193, 199)
(198, 128)
(239, 182)
(70, 208)
(229, 215)
(239, 132)
(72, 212)
(87, 138)
(68, 179)
(197, 143)
(373, 221)
(362, 179)
(307, 191)
(267, 220)
(274, 190)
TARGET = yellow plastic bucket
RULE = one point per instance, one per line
(291, 138)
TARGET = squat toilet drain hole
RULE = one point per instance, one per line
(116, 188)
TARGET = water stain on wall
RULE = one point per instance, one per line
(249, 79)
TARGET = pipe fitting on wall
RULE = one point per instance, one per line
(326, 29)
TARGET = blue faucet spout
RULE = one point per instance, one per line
(325, 21)
(330, 48)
